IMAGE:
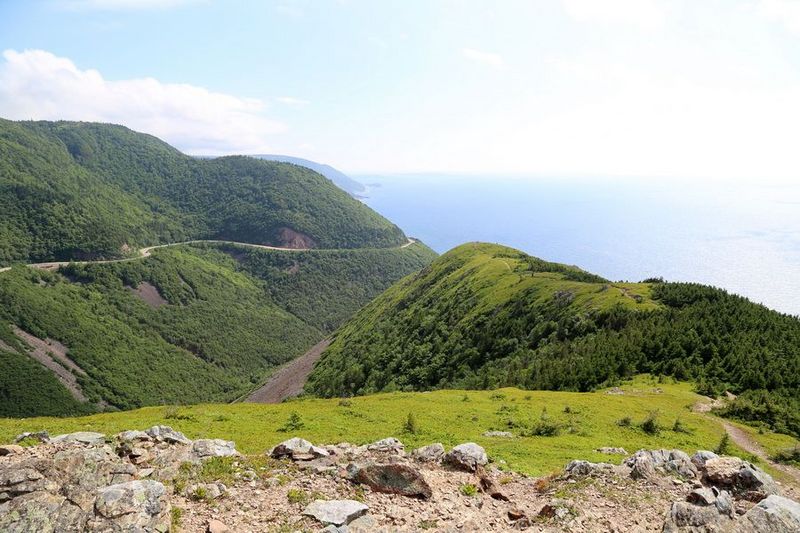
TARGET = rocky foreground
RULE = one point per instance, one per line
(158, 480)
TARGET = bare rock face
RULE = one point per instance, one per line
(740, 477)
(391, 479)
(132, 506)
(336, 512)
(467, 457)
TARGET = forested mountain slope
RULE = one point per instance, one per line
(339, 178)
(189, 324)
(485, 316)
(76, 190)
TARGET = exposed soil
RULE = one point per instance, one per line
(149, 293)
(289, 380)
(294, 239)
(53, 356)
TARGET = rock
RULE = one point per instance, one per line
(84, 470)
(41, 512)
(488, 486)
(646, 463)
(11, 449)
(26, 476)
(685, 516)
(362, 524)
(612, 451)
(391, 479)
(515, 514)
(206, 491)
(41, 436)
(132, 506)
(742, 478)
(203, 448)
(290, 447)
(139, 455)
(499, 434)
(468, 457)
(318, 465)
(133, 435)
(431, 453)
(704, 496)
(80, 437)
(390, 445)
(336, 512)
(167, 434)
(701, 456)
(215, 526)
(585, 468)
(773, 514)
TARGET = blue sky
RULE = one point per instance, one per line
(640, 88)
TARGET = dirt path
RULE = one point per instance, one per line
(146, 252)
(289, 380)
(747, 443)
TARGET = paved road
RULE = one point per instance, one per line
(145, 252)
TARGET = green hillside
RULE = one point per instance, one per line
(584, 422)
(75, 190)
(218, 319)
(486, 316)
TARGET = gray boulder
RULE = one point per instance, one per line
(468, 456)
(203, 448)
(42, 512)
(431, 453)
(80, 437)
(646, 463)
(167, 434)
(499, 434)
(387, 445)
(133, 435)
(705, 510)
(41, 436)
(612, 451)
(336, 512)
(133, 506)
(289, 447)
(773, 514)
(585, 468)
(701, 456)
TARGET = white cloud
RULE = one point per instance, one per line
(292, 101)
(484, 58)
(38, 85)
(786, 12)
(647, 14)
(122, 5)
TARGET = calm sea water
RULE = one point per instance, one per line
(743, 238)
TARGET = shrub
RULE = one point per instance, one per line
(625, 422)
(468, 489)
(293, 423)
(410, 425)
(790, 456)
(175, 513)
(680, 427)
(297, 496)
(650, 424)
(724, 446)
(345, 402)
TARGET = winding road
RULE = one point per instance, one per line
(146, 252)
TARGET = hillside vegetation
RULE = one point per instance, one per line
(585, 422)
(214, 326)
(484, 316)
(76, 190)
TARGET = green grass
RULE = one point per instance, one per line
(440, 416)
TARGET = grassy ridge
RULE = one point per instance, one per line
(447, 416)
(76, 190)
(484, 316)
(222, 331)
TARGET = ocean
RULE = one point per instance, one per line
(743, 238)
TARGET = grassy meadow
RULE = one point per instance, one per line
(586, 421)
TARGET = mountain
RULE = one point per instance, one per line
(189, 324)
(486, 316)
(341, 179)
(77, 190)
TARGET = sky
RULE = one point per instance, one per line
(643, 88)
